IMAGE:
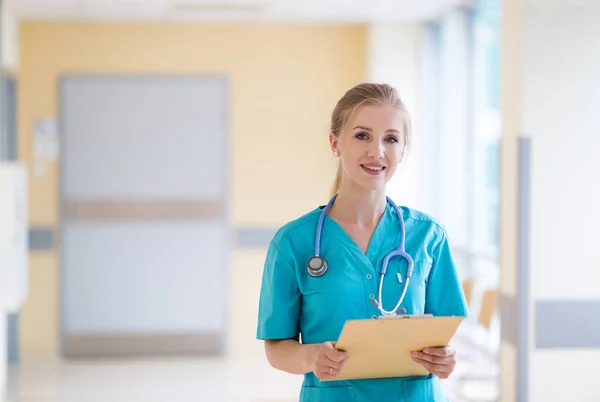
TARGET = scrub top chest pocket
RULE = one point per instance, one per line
(414, 301)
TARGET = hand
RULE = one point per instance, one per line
(328, 361)
(438, 361)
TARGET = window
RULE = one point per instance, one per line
(463, 60)
(486, 126)
(463, 129)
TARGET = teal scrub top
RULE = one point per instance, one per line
(293, 303)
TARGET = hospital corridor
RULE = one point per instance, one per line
(184, 186)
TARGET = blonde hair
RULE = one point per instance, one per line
(365, 94)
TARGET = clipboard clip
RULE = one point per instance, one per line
(396, 316)
(401, 311)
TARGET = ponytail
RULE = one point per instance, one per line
(337, 182)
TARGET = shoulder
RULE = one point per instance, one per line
(424, 224)
(421, 219)
(299, 228)
(425, 235)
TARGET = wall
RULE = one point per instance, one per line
(10, 40)
(560, 113)
(393, 57)
(511, 103)
(549, 268)
(285, 81)
(9, 47)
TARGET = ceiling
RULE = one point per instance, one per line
(562, 4)
(344, 11)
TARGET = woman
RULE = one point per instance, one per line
(370, 134)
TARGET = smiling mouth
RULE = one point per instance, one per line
(373, 169)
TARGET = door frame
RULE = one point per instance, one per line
(9, 151)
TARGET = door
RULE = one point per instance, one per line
(145, 243)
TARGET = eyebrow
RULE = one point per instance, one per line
(391, 130)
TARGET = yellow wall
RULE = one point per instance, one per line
(284, 83)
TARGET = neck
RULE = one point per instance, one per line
(358, 206)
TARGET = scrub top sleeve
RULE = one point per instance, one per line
(279, 304)
(444, 295)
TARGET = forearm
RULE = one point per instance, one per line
(290, 356)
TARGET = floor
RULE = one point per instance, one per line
(162, 380)
(179, 380)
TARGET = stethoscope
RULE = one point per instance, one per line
(317, 266)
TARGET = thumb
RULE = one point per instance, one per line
(333, 353)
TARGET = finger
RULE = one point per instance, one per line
(434, 368)
(327, 373)
(327, 363)
(326, 376)
(440, 352)
(335, 355)
(433, 359)
(332, 371)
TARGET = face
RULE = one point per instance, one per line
(371, 146)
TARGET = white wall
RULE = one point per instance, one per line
(561, 89)
(560, 113)
(10, 61)
(551, 82)
(10, 40)
(3, 352)
(393, 57)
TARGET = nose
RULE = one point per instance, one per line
(376, 150)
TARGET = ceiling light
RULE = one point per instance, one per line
(137, 6)
(218, 5)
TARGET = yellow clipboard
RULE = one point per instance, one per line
(381, 348)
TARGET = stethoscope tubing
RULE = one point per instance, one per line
(400, 251)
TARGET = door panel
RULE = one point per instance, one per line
(145, 242)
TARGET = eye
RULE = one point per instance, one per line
(362, 136)
(392, 139)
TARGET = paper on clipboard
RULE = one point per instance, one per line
(381, 348)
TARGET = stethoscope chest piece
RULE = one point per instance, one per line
(317, 266)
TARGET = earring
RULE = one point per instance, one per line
(337, 153)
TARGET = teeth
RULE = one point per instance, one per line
(374, 168)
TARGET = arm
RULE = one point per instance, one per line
(279, 322)
(290, 356)
(293, 357)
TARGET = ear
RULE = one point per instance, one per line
(333, 143)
